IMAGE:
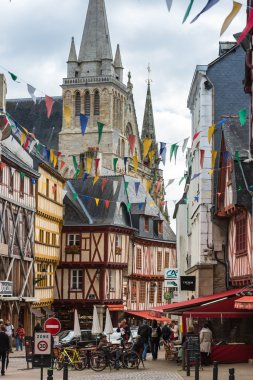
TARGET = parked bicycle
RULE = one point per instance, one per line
(73, 356)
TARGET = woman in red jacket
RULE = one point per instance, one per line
(20, 336)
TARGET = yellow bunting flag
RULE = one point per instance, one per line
(22, 139)
(88, 164)
(26, 131)
(43, 184)
(55, 160)
(211, 172)
(210, 132)
(231, 16)
(151, 156)
(97, 201)
(67, 115)
(214, 155)
(151, 204)
(146, 146)
(95, 179)
(135, 161)
(148, 184)
(51, 155)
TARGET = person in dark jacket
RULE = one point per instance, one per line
(37, 328)
(155, 338)
(144, 331)
(4, 347)
(166, 332)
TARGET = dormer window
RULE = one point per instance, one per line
(146, 223)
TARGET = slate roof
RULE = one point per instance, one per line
(34, 118)
(17, 161)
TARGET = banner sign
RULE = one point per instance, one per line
(6, 288)
(171, 274)
(188, 283)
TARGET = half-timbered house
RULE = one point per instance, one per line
(17, 213)
(233, 201)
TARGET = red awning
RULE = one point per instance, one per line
(146, 314)
(116, 307)
(179, 307)
(245, 303)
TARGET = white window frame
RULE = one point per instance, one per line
(74, 239)
(79, 279)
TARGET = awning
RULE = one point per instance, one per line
(48, 311)
(245, 303)
(37, 313)
(147, 314)
(179, 307)
(115, 307)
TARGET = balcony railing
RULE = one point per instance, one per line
(72, 249)
(96, 79)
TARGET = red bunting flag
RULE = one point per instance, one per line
(158, 185)
(107, 203)
(131, 140)
(2, 165)
(163, 203)
(104, 182)
(195, 136)
(26, 142)
(62, 165)
(49, 105)
(58, 154)
(96, 165)
(202, 156)
(247, 28)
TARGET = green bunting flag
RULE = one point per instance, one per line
(75, 163)
(128, 206)
(126, 186)
(237, 156)
(77, 173)
(115, 160)
(242, 116)
(181, 180)
(239, 188)
(75, 196)
(188, 10)
(22, 175)
(173, 150)
(38, 148)
(13, 76)
(185, 200)
(100, 130)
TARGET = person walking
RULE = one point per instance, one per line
(4, 347)
(20, 336)
(166, 332)
(155, 338)
(206, 338)
(9, 329)
(124, 330)
(175, 330)
(144, 332)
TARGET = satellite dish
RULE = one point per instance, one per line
(5, 128)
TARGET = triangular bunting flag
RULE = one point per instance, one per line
(33, 180)
(188, 10)
(236, 8)
(146, 146)
(125, 163)
(75, 196)
(32, 145)
(136, 186)
(210, 132)
(214, 155)
(13, 77)
(22, 138)
(107, 203)
(115, 160)
(210, 4)
(115, 186)
(49, 105)
(96, 165)
(181, 180)
(85, 198)
(148, 184)
(195, 176)
(31, 90)
(26, 142)
(100, 130)
(85, 176)
(131, 140)
(62, 164)
(12, 171)
(52, 156)
(169, 4)
(185, 144)
(88, 164)
(163, 155)
(75, 163)
(202, 156)
(140, 205)
(237, 158)
(38, 148)
(96, 178)
(64, 193)
(158, 185)
(97, 201)
(126, 186)
(104, 182)
(67, 115)
(22, 175)
(169, 182)
(151, 156)
(128, 206)
(243, 116)
(83, 122)
(195, 136)
(135, 161)
(247, 28)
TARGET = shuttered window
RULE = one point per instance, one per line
(159, 292)
(241, 233)
(96, 103)
(87, 103)
(77, 104)
(138, 259)
(142, 293)
(159, 261)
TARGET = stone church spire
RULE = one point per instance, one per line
(96, 45)
(72, 65)
(148, 126)
(72, 52)
(118, 64)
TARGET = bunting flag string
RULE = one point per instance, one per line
(235, 10)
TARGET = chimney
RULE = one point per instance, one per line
(3, 92)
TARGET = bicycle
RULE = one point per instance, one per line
(72, 356)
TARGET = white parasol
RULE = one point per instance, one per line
(77, 330)
(96, 329)
(108, 323)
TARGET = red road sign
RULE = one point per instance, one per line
(42, 346)
(52, 325)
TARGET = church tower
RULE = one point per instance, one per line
(94, 87)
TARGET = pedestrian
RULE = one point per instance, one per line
(4, 347)
(37, 328)
(206, 338)
(175, 330)
(9, 329)
(144, 332)
(124, 330)
(20, 336)
(166, 332)
(155, 338)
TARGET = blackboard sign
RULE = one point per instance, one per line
(188, 282)
(192, 345)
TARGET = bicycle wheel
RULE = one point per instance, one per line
(131, 360)
(59, 362)
(97, 361)
(80, 363)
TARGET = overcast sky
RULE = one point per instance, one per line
(35, 39)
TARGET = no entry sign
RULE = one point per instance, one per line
(52, 325)
(42, 343)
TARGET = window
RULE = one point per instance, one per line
(241, 233)
(54, 239)
(41, 236)
(41, 275)
(1, 174)
(159, 261)
(96, 103)
(133, 291)
(138, 259)
(77, 104)
(146, 223)
(159, 292)
(47, 187)
(151, 293)
(11, 181)
(31, 192)
(21, 185)
(166, 260)
(142, 294)
(76, 279)
(48, 238)
(118, 241)
(87, 103)
(55, 192)
(160, 226)
(73, 239)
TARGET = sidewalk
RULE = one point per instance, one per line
(243, 371)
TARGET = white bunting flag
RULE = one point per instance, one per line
(31, 91)
(170, 182)
(115, 185)
(169, 4)
(64, 192)
(185, 144)
(32, 145)
(12, 171)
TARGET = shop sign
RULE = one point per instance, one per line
(6, 288)
(188, 283)
(171, 274)
(168, 295)
(171, 283)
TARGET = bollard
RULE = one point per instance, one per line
(231, 374)
(197, 367)
(215, 370)
(188, 368)
(50, 373)
(65, 368)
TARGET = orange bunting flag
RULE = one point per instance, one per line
(22, 138)
(135, 161)
(88, 164)
(131, 140)
(148, 184)
(214, 155)
(62, 164)
(49, 105)
(104, 182)
(54, 188)
(151, 156)
(210, 132)
(96, 178)
(202, 156)
(146, 146)
(51, 155)
(97, 200)
(107, 203)
(67, 115)
(158, 185)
